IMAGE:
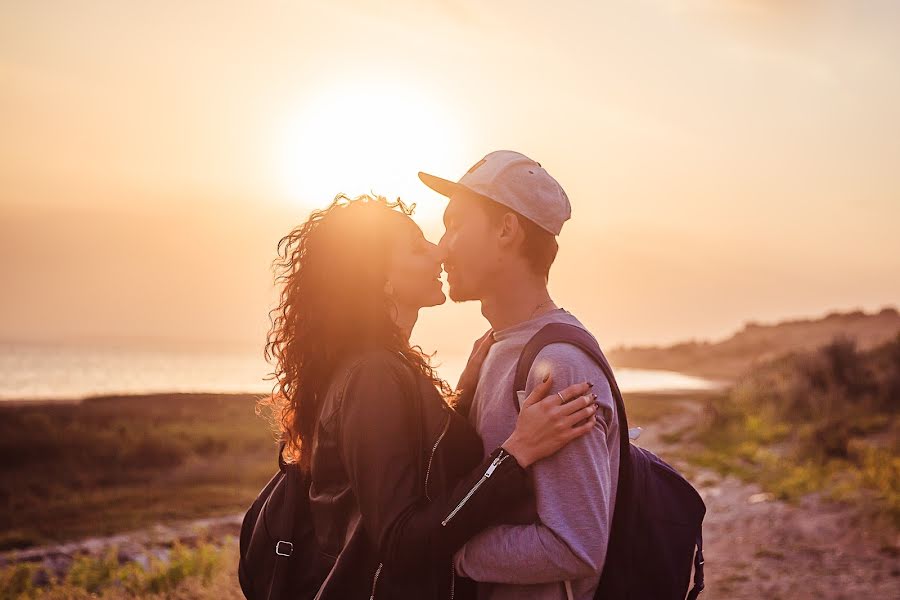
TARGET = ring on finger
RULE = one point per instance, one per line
(561, 399)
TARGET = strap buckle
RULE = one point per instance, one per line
(289, 550)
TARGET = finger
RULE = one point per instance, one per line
(539, 392)
(575, 418)
(484, 341)
(574, 390)
(580, 430)
(577, 404)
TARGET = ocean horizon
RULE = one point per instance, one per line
(34, 372)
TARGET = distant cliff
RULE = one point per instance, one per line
(756, 343)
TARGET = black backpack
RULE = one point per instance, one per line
(658, 516)
(279, 557)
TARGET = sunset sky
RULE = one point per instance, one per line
(726, 160)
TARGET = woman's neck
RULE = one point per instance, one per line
(405, 318)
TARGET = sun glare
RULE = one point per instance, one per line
(362, 138)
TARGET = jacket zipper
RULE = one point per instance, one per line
(375, 580)
(490, 471)
(433, 450)
(452, 580)
(427, 475)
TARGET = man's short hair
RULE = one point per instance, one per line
(539, 247)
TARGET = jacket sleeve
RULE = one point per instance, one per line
(378, 442)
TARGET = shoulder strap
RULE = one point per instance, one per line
(698, 569)
(555, 333)
(284, 548)
(571, 334)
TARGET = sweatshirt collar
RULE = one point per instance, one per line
(529, 325)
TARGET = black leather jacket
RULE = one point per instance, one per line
(398, 484)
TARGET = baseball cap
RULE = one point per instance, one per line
(515, 181)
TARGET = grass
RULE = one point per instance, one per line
(823, 421)
(113, 464)
(648, 407)
(110, 464)
(205, 571)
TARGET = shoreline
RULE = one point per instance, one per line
(47, 402)
(716, 386)
(70, 401)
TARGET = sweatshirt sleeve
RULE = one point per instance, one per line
(574, 492)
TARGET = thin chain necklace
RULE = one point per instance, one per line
(536, 308)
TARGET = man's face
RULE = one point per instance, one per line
(470, 248)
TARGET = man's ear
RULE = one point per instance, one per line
(510, 229)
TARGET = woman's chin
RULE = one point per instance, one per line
(436, 300)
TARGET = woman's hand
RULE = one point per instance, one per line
(468, 380)
(546, 423)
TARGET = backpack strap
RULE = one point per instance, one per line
(698, 570)
(555, 333)
(285, 548)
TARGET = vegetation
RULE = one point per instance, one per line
(819, 421)
(644, 408)
(109, 464)
(205, 571)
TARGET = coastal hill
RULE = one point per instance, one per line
(756, 343)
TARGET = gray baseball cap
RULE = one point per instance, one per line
(513, 180)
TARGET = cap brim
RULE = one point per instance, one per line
(438, 184)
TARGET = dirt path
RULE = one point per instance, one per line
(756, 547)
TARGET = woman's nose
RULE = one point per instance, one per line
(438, 252)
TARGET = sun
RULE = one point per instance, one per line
(370, 137)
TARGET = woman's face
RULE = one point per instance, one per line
(415, 270)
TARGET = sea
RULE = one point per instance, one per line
(34, 372)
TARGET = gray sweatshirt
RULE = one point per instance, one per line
(558, 545)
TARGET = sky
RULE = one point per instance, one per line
(726, 160)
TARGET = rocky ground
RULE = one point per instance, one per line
(757, 547)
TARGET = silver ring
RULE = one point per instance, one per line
(561, 399)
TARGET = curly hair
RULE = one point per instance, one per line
(331, 271)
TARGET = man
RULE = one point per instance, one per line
(501, 225)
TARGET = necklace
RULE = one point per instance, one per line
(536, 308)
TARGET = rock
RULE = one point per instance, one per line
(760, 497)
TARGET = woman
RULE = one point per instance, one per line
(398, 479)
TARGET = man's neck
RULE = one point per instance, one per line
(514, 304)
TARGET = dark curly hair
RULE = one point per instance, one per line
(331, 271)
